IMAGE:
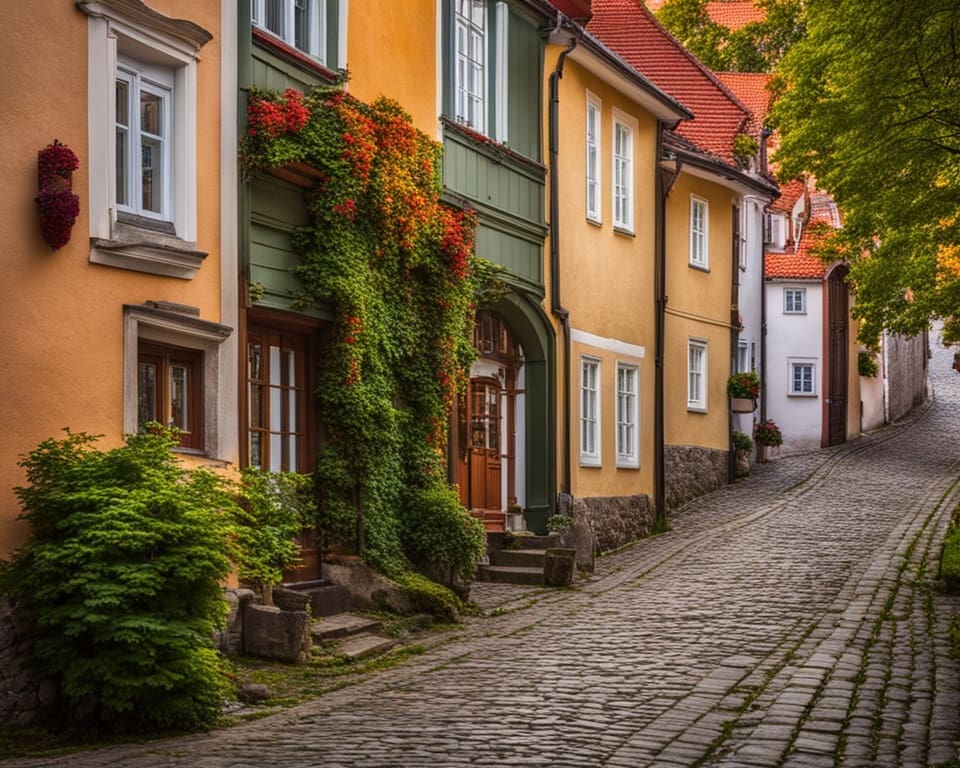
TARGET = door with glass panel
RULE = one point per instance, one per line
(276, 401)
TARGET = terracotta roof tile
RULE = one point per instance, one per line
(751, 89)
(630, 30)
(734, 14)
(790, 192)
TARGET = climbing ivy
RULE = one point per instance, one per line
(397, 269)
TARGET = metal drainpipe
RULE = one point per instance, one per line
(558, 310)
(660, 302)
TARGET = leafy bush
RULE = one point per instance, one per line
(745, 384)
(950, 560)
(274, 508)
(741, 442)
(867, 364)
(122, 570)
(429, 597)
(437, 530)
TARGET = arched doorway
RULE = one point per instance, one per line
(488, 440)
(838, 313)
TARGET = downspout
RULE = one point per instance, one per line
(660, 298)
(557, 309)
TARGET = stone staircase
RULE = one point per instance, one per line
(526, 564)
(347, 634)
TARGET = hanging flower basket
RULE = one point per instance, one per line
(57, 204)
(743, 404)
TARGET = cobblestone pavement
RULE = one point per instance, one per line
(789, 620)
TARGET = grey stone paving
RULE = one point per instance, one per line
(789, 620)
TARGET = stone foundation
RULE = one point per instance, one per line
(23, 696)
(691, 471)
(604, 523)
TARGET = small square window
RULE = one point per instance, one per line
(803, 378)
(794, 301)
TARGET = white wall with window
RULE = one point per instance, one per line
(699, 232)
(142, 126)
(590, 432)
(624, 133)
(696, 375)
(802, 377)
(794, 342)
(795, 301)
(627, 415)
(594, 147)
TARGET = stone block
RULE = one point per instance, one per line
(229, 640)
(558, 566)
(273, 633)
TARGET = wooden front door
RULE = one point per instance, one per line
(484, 452)
(838, 312)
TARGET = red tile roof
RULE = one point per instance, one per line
(630, 30)
(801, 263)
(790, 192)
(794, 266)
(734, 14)
(751, 89)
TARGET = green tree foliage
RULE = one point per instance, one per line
(755, 47)
(122, 570)
(869, 104)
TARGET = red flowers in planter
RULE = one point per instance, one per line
(57, 204)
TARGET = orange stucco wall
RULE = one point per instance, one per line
(698, 307)
(606, 277)
(396, 57)
(62, 321)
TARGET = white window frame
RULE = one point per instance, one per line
(794, 301)
(316, 42)
(795, 364)
(743, 356)
(590, 402)
(699, 232)
(594, 124)
(622, 146)
(129, 32)
(627, 417)
(140, 78)
(696, 374)
(466, 97)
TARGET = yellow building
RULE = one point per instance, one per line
(604, 128)
(132, 317)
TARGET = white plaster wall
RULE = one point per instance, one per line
(871, 399)
(751, 290)
(794, 336)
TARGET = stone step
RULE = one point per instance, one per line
(341, 625)
(364, 646)
(326, 599)
(509, 574)
(525, 558)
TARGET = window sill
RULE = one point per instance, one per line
(590, 463)
(147, 249)
(628, 464)
(696, 409)
(699, 267)
(595, 222)
(624, 231)
(807, 395)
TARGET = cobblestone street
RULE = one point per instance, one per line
(789, 620)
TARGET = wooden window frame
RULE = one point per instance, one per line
(165, 357)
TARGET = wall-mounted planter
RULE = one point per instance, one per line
(743, 404)
(57, 204)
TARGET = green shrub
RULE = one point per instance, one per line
(429, 597)
(273, 510)
(867, 364)
(122, 570)
(741, 442)
(950, 560)
(438, 530)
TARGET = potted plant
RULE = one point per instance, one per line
(742, 445)
(766, 434)
(744, 389)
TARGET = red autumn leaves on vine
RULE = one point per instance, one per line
(273, 118)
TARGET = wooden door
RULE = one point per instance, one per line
(838, 312)
(485, 442)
